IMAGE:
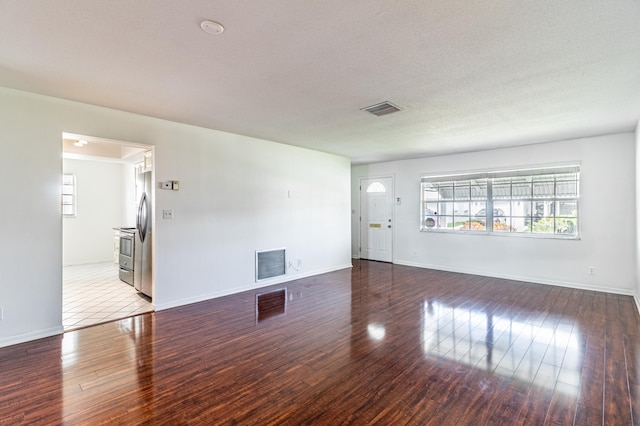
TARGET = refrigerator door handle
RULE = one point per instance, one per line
(141, 222)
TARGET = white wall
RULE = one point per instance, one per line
(233, 200)
(607, 209)
(88, 237)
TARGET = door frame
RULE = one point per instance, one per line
(393, 212)
(106, 141)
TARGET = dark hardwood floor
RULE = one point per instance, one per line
(376, 344)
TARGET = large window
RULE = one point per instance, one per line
(530, 202)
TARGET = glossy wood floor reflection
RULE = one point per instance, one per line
(376, 344)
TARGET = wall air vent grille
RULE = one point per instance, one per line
(270, 263)
(383, 108)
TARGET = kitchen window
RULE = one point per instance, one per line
(69, 195)
(535, 202)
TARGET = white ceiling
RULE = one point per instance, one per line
(102, 149)
(469, 75)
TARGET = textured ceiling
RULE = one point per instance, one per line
(468, 75)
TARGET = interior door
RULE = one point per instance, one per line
(376, 219)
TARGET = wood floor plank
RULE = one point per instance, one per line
(535, 406)
(587, 416)
(374, 344)
(617, 402)
(563, 405)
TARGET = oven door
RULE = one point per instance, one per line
(127, 250)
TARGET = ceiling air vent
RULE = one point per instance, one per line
(382, 108)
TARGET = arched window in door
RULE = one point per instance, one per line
(376, 187)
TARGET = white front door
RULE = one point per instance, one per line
(376, 211)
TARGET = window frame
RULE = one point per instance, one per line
(463, 193)
(553, 201)
(73, 195)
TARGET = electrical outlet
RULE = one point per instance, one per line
(591, 270)
(167, 214)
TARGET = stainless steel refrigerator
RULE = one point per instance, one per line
(142, 278)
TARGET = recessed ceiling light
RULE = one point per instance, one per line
(212, 27)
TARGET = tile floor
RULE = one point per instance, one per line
(93, 294)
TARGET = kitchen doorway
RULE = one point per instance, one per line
(99, 199)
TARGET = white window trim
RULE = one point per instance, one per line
(74, 196)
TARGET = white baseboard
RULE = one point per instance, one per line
(34, 335)
(253, 286)
(579, 286)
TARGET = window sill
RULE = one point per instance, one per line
(503, 234)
